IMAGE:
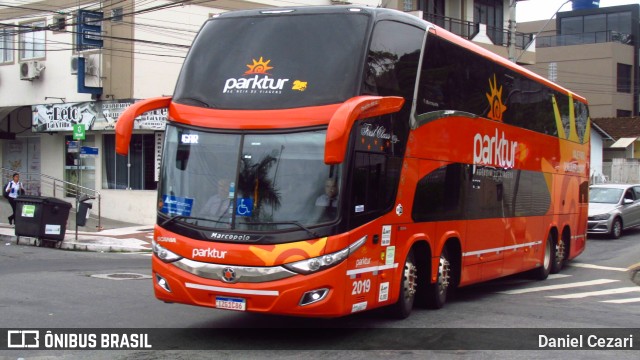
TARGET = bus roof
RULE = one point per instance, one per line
(392, 14)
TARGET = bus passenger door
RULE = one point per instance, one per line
(371, 195)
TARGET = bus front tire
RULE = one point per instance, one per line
(402, 308)
(437, 292)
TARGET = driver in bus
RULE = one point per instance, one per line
(330, 197)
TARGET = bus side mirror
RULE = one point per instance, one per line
(359, 107)
(124, 125)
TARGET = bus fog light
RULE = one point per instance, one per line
(313, 296)
(162, 283)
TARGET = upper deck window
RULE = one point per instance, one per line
(274, 61)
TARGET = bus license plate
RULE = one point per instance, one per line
(231, 303)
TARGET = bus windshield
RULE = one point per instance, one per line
(253, 182)
(267, 62)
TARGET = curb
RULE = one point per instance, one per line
(68, 244)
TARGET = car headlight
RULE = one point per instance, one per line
(309, 266)
(601, 217)
(164, 254)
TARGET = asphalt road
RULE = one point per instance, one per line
(46, 288)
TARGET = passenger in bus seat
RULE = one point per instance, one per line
(219, 203)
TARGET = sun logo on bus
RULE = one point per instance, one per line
(258, 67)
(495, 100)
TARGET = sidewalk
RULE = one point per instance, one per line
(117, 236)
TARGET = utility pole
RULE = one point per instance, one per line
(512, 31)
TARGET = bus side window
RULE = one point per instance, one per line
(439, 194)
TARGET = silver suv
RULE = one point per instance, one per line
(613, 208)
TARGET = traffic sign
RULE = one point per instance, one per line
(78, 132)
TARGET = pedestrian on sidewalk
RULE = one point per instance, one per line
(14, 189)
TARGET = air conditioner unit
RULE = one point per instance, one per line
(30, 70)
(89, 67)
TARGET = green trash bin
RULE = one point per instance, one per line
(44, 218)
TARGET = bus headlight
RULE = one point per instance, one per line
(164, 254)
(309, 266)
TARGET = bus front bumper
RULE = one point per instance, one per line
(315, 295)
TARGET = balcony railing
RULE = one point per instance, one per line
(469, 30)
(584, 38)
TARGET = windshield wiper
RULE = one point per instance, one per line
(287, 223)
(176, 217)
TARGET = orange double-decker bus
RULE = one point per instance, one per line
(321, 161)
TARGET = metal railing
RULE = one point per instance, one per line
(468, 30)
(44, 185)
(584, 38)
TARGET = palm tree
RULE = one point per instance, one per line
(254, 182)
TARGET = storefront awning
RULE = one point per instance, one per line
(6, 110)
(623, 143)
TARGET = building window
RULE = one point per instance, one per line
(490, 13)
(435, 7)
(6, 46)
(624, 78)
(571, 25)
(116, 14)
(595, 23)
(409, 5)
(134, 171)
(623, 113)
(620, 22)
(31, 42)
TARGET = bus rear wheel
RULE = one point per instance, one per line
(560, 255)
(437, 292)
(402, 308)
(543, 271)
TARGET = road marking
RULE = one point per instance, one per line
(597, 293)
(597, 267)
(622, 301)
(557, 276)
(556, 287)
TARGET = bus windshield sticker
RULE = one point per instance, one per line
(386, 235)
(390, 255)
(176, 205)
(359, 208)
(244, 207)
(383, 294)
